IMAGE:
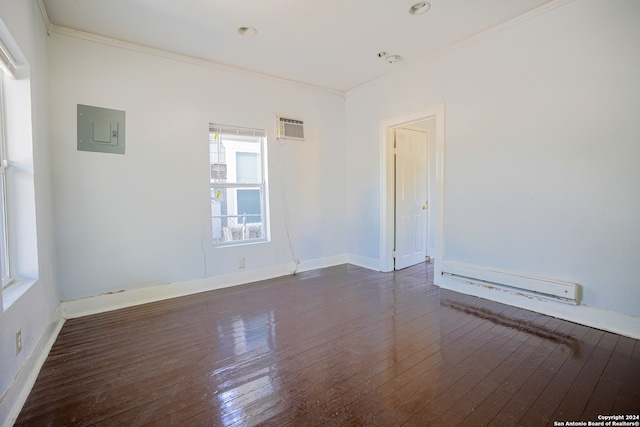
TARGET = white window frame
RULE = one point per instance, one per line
(7, 70)
(20, 241)
(242, 140)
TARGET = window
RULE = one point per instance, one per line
(18, 237)
(7, 68)
(238, 189)
(4, 244)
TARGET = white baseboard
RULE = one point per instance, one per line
(365, 262)
(18, 392)
(113, 301)
(618, 323)
(314, 264)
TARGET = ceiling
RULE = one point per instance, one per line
(330, 44)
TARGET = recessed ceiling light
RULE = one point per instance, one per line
(420, 8)
(247, 31)
(389, 57)
(393, 58)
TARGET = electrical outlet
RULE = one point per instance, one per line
(241, 263)
(18, 341)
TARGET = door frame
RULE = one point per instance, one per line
(387, 175)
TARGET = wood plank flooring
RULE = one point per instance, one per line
(340, 346)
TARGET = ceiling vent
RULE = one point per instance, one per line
(290, 129)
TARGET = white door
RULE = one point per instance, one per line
(411, 197)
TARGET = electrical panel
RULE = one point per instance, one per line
(100, 129)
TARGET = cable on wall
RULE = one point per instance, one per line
(286, 210)
(204, 253)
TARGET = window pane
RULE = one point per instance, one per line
(4, 247)
(4, 236)
(237, 184)
(248, 167)
(235, 159)
(249, 205)
(236, 214)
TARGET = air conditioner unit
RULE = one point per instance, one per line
(290, 129)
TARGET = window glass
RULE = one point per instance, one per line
(238, 185)
(4, 234)
(248, 167)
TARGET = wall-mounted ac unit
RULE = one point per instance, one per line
(289, 129)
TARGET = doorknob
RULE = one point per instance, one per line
(425, 207)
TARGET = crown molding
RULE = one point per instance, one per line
(45, 16)
(68, 32)
(55, 29)
(540, 10)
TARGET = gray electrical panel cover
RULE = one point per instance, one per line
(100, 129)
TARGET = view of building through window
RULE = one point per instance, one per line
(238, 213)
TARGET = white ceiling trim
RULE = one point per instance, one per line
(45, 17)
(483, 34)
(55, 29)
(64, 31)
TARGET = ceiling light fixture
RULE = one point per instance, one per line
(388, 57)
(247, 31)
(420, 8)
(393, 58)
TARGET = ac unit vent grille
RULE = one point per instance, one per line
(290, 128)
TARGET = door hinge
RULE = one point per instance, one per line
(393, 254)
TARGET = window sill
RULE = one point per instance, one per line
(240, 243)
(14, 291)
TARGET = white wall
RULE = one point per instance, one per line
(34, 310)
(541, 160)
(142, 219)
(541, 149)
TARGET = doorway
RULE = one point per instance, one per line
(411, 165)
(435, 194)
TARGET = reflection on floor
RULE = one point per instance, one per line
(336, 346)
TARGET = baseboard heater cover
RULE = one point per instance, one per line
(531, 286)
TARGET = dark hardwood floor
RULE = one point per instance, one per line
(339, 346)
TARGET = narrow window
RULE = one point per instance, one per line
(4, 234)
(238, 185)
(18, 239)
(7, 69)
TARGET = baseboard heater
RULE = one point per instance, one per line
(521, 284)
